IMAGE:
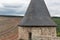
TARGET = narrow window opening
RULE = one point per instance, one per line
(30, 36)
(21, 39)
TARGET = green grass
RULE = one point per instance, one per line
(57, 21)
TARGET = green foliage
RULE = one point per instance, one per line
(57, 21)
(58, 34)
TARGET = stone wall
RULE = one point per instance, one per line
(44, 31)
(23, 33)
(46, 38)
(8, 28)
(39, 32)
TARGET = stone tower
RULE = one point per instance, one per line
(37, 22)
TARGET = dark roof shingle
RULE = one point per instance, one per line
(37, 15)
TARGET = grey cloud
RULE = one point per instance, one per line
(11, 12)
(20, 9)
(14, 9)
(54, 7)
(13, 5)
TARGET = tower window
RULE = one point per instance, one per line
(30, 36)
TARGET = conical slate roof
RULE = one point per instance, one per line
(37, 15)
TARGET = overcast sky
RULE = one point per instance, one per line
(19, 7)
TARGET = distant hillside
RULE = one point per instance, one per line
(57, 21)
